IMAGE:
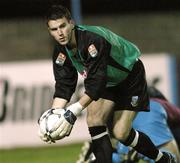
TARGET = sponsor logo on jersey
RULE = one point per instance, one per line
(92, 50)
(60, 59)
(134, 101)
(84, 74)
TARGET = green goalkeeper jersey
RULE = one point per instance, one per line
(102, 57)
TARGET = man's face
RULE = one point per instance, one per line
(61, 30)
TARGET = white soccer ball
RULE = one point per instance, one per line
(49, 121)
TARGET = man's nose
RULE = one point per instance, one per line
(59, 31)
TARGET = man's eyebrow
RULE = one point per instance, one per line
(55, 28)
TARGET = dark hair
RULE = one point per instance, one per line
(58, 11)
(155, 93)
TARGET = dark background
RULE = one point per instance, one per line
(35, 8)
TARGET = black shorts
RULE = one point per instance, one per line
(131, 93)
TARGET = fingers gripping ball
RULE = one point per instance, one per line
(50, 121)
(64, 128)
(67, 120)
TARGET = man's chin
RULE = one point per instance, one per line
(63, 43)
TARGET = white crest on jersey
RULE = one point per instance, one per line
(60, 59)
(92, 50)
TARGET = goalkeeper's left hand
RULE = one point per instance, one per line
(67, 121)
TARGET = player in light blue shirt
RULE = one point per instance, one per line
(156, 125)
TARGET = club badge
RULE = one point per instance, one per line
(92, 50)
(134, 101)
(60, 59)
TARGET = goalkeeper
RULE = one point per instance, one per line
(114, 78)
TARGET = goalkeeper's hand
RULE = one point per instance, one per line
(44, 137)
(42, 132)
(67, 121)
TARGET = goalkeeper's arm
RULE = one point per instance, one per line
(84, 101)
(75, 109)
(70, 116)
(59, 103)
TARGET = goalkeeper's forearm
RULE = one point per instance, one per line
(59, 103)
(75, 109)
(85, 100)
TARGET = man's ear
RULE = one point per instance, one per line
(72, 22)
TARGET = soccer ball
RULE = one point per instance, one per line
(49, 121)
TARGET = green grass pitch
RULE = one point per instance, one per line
(51, 154)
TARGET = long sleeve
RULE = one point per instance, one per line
(65, 75)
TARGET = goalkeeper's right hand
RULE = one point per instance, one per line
(42, 133)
